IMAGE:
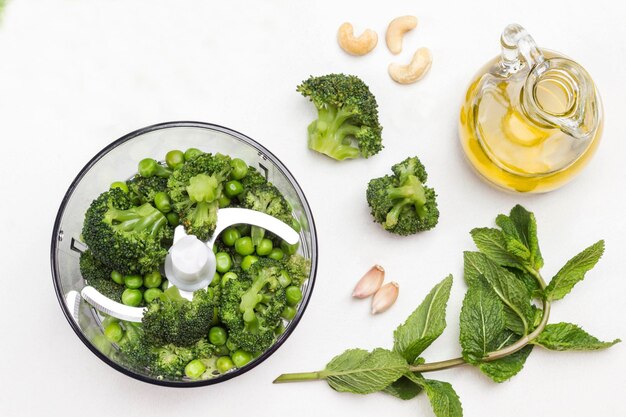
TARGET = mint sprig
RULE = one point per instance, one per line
(504, 315)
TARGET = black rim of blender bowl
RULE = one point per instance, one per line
(281, 339)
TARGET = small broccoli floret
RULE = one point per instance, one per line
(401, 202)
(250, 307)
(298, 268)
(98, 275)
(124, 237)
(179, 321)
(347, 125)
(252, 179)
(143, 189)
(195, 190)
(267, 199)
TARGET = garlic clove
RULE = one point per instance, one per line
(385, 297)
(370, 282)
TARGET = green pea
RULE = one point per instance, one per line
(264, 247)
(224, 364)
(175, 159)
(230, 235)
(233, 188)
(152, 294)
(223, 201)
(227, 277)
(165, 285)
(294, 295)
(162, 202)
(277, 254)
(288, 313)
(121, 185)
(223, 262)
(244, 246)
(217, 336)
(289, 249)
(172, 219)
(113, 332)
(240, 169)
(148, 167)
(195, 369)
(284, 279)
(192, 153)
(247, 262)
(117, 277)
(152, 280)
(216, 279)
(133, 281)
(241, 358)
(222, 351)
(131, 297)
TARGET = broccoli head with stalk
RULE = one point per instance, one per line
(195, 190)
(347, 124)
(124, 237)
(251, 306)
(401, 202)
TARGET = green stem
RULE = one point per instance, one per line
(298, 377)
(450, 363)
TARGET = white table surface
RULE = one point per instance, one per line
(75, 75)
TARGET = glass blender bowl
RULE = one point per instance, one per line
(118, 161)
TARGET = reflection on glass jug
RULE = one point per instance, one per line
(531, 118)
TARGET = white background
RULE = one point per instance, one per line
(75, 75)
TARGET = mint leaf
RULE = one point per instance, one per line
(443, 399)
(425, 324)
(520, 234)
(567, 336)
(526, 226)
(505, 368)
(529, 281)
(574, 271)
(492, 243)
(360, 372)
(403, 388)
(506, 285)
(482, 322)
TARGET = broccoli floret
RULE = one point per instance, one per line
(179, 321)
(195, 190)
(252, 179)
(124, 237)
(347, 125)
(401, 202)
(98, 275)
(251, 306)
(298, 268)
(143, 189)
(267, 199)
(166, 361)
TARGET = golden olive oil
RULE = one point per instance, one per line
(509, 146)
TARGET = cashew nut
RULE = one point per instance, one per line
(415, 70)
(396, 30)
(356, 45)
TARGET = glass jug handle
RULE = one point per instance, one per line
(580, 118)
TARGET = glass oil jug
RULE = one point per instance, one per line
(531, 118)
